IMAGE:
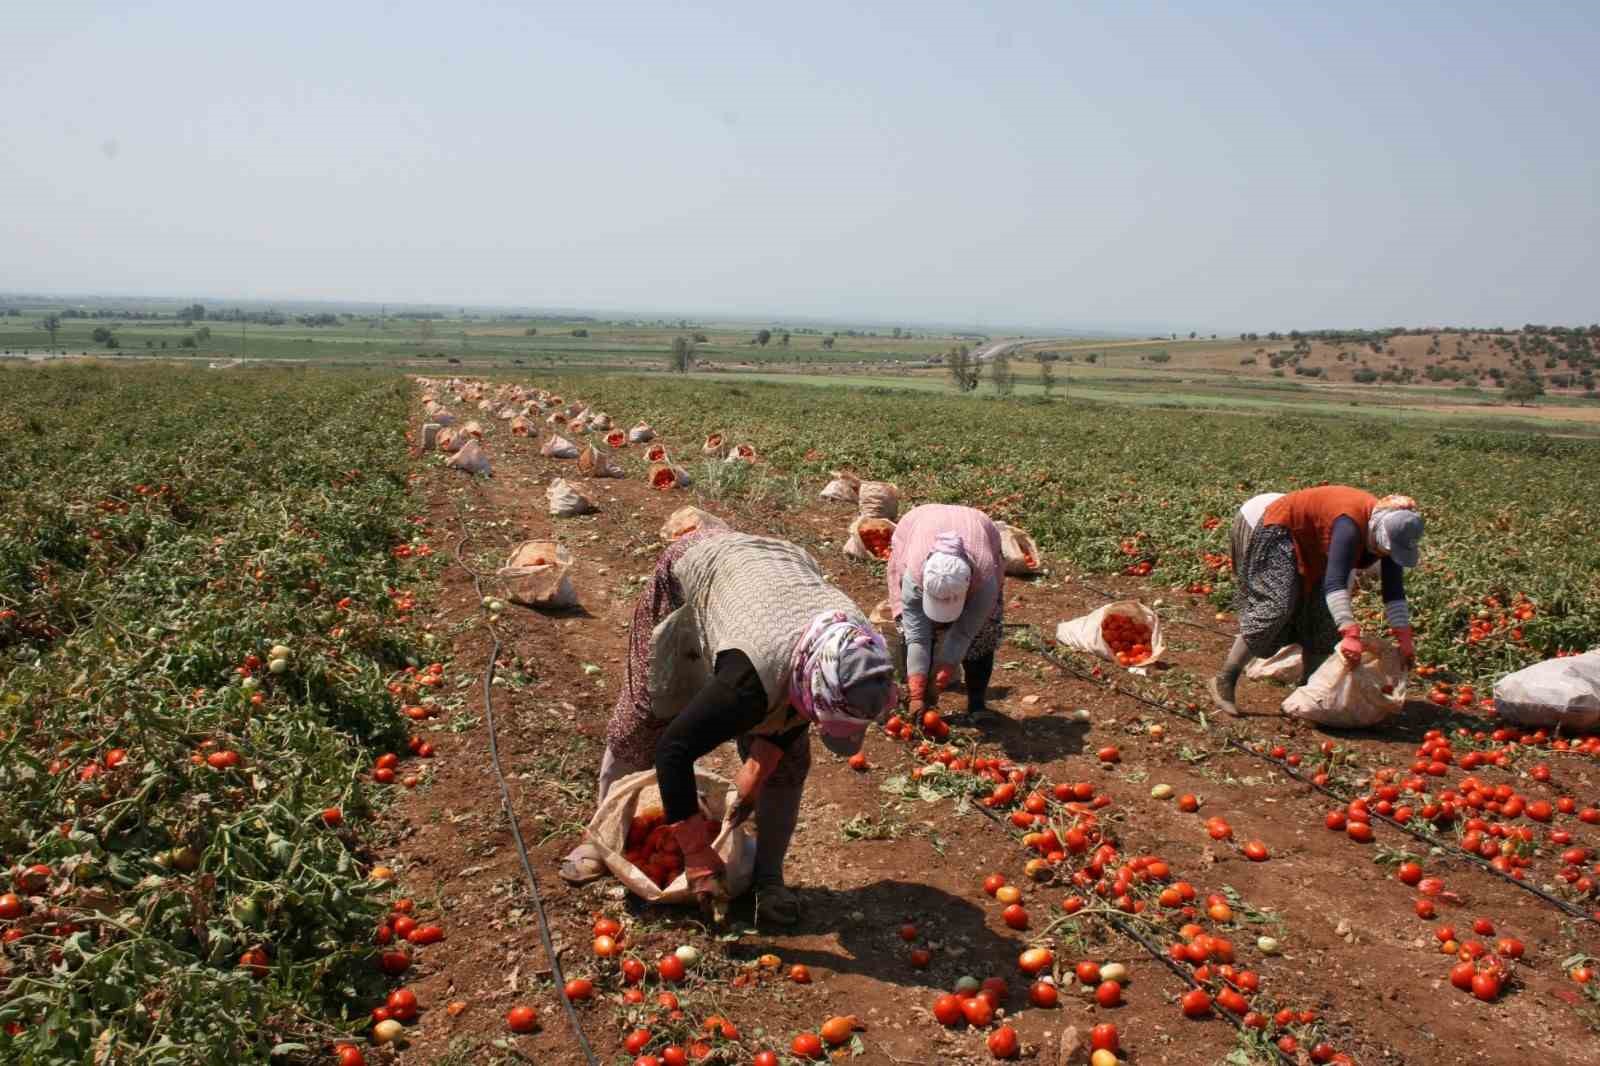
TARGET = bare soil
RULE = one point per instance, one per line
(1354, 952)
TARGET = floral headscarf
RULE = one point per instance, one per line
(836, 654)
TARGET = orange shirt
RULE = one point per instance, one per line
(1309, 516)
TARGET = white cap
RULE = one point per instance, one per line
(944, 587)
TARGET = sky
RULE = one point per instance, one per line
(1220, 165)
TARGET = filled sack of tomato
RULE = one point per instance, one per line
(1125, 632)
(596, 463)
(537, 574)
(558, 447)
(845, 487)
(1353, 698)
(632, 839)
(879, 499)
(1561, 692)
(566, 501)
(870, 538)
(470, 458)
(665, 477)
(1286, 666)
(686, 520)
(1020, 553)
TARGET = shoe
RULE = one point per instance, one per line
(777, 904)
(1222, 694)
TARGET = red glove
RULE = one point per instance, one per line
(764, 758)
(943, 676)
(1350, 647)
(1408, 644)
(701, 865)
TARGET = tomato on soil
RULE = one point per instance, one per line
(522, 1020)
(1003, 1043)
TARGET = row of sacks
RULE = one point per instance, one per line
(716, 446)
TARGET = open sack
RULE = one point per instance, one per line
(1020, 553)
(471, 458)
(870, 539)
(536, 574)
(1094, 632)
(566, 501)
(845, 487)
(878, 499)
(608, 833)
(686, 520)
(1348, 697)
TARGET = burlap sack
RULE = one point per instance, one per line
(656, 453)
(845, 487)
(879, 499)
(1020, 552)
(536, 574)
(741, 453)
(870, 539)
(558, 447)
(1286, 666)
(566, 501)
(473, 429)
(714, 446)
(600, 421)
(608, 833)
(1083, 634)
(557, 419)
(616, 439)
(579, 424)
(665, 477)
(686, 520)
(641, 434)
(449, 439)
(595, 463)
(471, 458)
(1561, 693)
(1348, 697)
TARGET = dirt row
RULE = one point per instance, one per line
(866, 862)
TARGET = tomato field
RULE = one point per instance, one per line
(255, 814)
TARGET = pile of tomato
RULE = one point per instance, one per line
(652, 848)
(876, 538)
(1128, 637)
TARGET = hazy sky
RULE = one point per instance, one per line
(1218, 164)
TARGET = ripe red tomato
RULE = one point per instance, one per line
(394, 963)
(350, 1055)
(670, 969)
(1509, 947)
(1196, 1003)
(1108, 994)
(947, 1011)
(579, 989)
(1426, 910)
(908, 932)
(332, 817)
(1483, 927)
(1035, 959)
(1108, 754)
(673, 1055)
(1015, 916)
(800, 974)
(10, 906)
(1409, 873)
(1088, 972)
(765, 1058)
(1003, 1043)
(1486, 986)
(403, 925)
(632, 971)
(1360, 832)
(858, 761)
(608, 927)
(426, 934)
(993, 883)
(1104, 1037)
(807, 1046)
(977, 1011)
(1461, 975)
(637, 1041)
(402, 1004)
(522, 1020)
(1255, 851)
(1043, 994)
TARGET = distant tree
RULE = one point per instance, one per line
(784, 340)
(1092, 357)
(580, 332)
(896, 333)
(203, 333)
(964, 372)
(699, 338)
(1522, 390)
(425, 330)
(112, 342)
(682, 355)
(1191, 334)
(100, 335)
(1000, 371)
(1047, 374)
(827, 343)
(1161, 357)
(531, 331)
(763, 337)
(52, 324)
(187, 341)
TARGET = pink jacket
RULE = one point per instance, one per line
(914, 536)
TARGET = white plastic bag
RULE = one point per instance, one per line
(686, 520)
(1286, 665)
(471, 458)
(473, 429)
(879, 499)
(1557, 692)
(559, 447)
(714, 446)
(608, 834)
(844, 487)
(521, 427)
(665, 477)
(536, 574)
(566, 501)
(641, 434)
(870, 539)
(1348, 697)
(1021, 554)
(741, 453)
(1088, 633)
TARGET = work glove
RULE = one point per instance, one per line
(764, 758)
(701, 865)
(1407, 640)
(943, 675)
(1350, 647)
(921, 701)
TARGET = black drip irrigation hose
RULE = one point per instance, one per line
(1235, 744)
(511, 817)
